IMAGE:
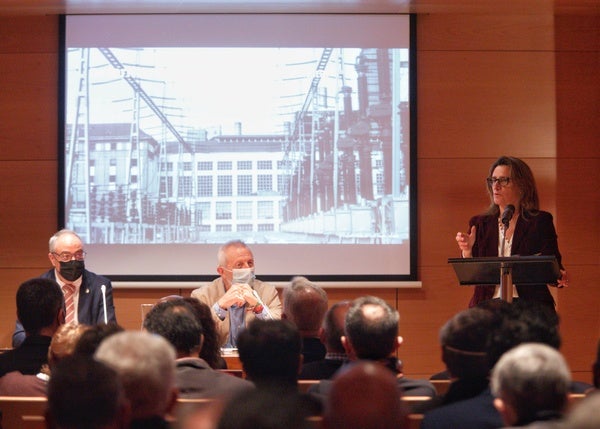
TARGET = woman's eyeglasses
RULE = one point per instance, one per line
(503, 181)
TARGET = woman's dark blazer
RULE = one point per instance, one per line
(534, 235)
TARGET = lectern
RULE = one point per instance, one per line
(506, 271)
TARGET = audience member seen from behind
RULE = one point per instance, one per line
(64, 341)
(270, 353)
(530, 231)
(86, 394)
(264, 409)
(90, 339)
(465, 339)
(146, 366)
(305, 304)
(531, 385)
(40, 311)
(364, 396)
(61, 346)
(514, 323)
(371, 328)
(531, 321)
(236, 297)
(67, 257)
(211, 348)
(331, 336)
(175, 321)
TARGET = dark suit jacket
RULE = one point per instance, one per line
(533, 235)
(406, 386)
(474, 413)
(90, 309)
(196, 379)
(28, 358)
(312, 349)
(320, 369)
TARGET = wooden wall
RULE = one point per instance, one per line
(525, 85)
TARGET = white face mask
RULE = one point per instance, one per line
(243, 275)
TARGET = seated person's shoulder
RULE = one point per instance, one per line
(259, 285)
(206, 289)
(417, 387)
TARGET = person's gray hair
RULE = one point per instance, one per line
(57, 235)
(222, 253)
(146, 364)
(532, 378)
(304, 303)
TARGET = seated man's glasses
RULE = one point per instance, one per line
(503, 181)
(66, 256)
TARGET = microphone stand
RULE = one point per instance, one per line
(506, 286)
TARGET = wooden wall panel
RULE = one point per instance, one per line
(29, 99)
(128, 304)
(27, 219)
(29, 76)
(578, 206)
(486, 103)
(27, 34)
(28, 166)
(463, 32)
(28, 215)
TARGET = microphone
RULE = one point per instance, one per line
(262, 303)
(507, 215)
(103, 289)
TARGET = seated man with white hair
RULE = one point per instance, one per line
(531, 386)
(145, 363)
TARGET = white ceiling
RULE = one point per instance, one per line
(37, 7)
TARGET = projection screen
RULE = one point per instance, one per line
(293, 133)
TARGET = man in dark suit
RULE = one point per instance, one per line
(68, 259)
(175, 321)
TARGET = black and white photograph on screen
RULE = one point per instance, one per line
(188, 145)
(172, 141)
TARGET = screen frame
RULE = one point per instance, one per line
(366, 280)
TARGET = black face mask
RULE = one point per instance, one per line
(71, 270)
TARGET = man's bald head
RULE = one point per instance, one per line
(365, 396)
(372, 328)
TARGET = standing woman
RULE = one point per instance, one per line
(529, 232)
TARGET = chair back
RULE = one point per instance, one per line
(414, 421)
(304, 385)
(441, 386)
(22, 412)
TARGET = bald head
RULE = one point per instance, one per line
(372, 386)
(372, 328)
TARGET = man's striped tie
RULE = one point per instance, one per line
(69, 291)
